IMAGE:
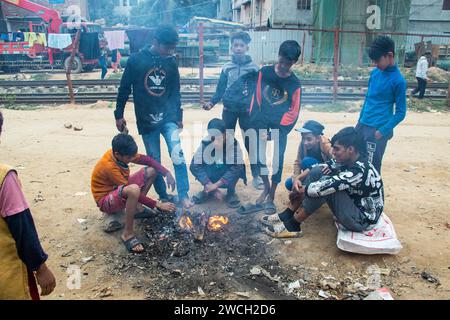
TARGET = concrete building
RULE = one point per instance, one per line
(273, 13)
(122, 8)
(429, 16)
(224, 10)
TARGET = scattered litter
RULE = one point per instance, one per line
(87, 259)
(243, 294)
(20, 167)
(428, 277)
(255, 271)
(324, 264)
(67, 254)
(288, 242)
(78, 128)
(80, 194)
(81, 221)
(200, 291)
(323, 294)
(271, 241)
(68, 125)
(294, 285)
(380, 294)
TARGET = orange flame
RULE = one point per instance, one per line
(216, 223)
(185, 223)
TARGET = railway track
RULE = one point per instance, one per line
(187, 97)
(187, 82)
(90, 91)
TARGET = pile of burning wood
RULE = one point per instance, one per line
(197, 224)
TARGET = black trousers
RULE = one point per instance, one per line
(421, 87)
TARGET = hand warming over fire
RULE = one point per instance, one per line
(166, 207)
(170, 181)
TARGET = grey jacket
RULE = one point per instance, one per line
(231, 72)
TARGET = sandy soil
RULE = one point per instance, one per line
(55, 165)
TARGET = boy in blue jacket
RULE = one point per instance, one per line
(387, 87)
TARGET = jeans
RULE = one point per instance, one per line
(340, 203)
(152, 142)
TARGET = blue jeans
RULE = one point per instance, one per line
(152, 142)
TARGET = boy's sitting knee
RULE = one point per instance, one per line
(132, 190)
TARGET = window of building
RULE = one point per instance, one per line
(304, 4)
(133, 3)
(446, 5)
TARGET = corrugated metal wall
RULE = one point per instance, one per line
(265, 44)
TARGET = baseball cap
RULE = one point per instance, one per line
(313, 127)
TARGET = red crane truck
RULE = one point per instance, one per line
(16, 55)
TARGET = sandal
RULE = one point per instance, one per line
(132, 243)
(113, 226)
(232, 201)
(250, 208)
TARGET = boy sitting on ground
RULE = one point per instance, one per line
(354, 193)
(114, 189)
(314, 149)
(218, 163)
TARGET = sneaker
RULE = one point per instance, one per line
(270, 220)
(279, 231)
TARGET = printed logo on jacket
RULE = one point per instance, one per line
(155, 83)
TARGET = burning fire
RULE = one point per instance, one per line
(216, 223)
(185, 223)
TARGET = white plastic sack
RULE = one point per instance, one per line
(381, 239)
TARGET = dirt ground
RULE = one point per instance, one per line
(55, 165)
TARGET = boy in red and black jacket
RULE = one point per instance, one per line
(274, 111)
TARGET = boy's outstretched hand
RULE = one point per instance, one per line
(170, 180)
(208, 106)
(166, 207)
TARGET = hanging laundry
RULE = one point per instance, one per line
(41, 39)
(115, 39)
(30, 37)
(59, 40)
(89, 45)
(18, 36)
(139, 39)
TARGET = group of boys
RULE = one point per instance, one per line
(343, 172)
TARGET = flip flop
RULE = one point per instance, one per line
(132, 243)
(200, 197)
(233, 201)
(147, 213)
(250, 208)
(113, 226)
